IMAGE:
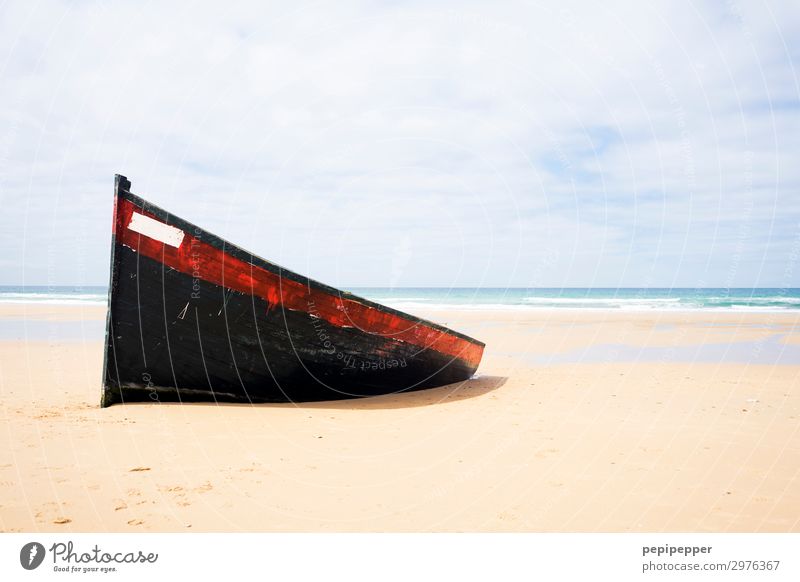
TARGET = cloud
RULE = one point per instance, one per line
(470, 143)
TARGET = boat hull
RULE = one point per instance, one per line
(194, 318)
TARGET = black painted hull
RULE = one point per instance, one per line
(172, 336)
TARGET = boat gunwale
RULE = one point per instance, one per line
(239, 253)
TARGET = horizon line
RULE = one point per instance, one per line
(71, 286)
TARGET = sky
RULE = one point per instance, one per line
(392, 144)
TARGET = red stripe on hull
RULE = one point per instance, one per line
(204, 261)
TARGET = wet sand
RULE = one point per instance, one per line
(578, 421)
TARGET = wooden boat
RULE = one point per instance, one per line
(192, 317)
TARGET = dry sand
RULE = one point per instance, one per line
(579, 421)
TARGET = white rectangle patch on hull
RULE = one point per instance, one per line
(169, 235)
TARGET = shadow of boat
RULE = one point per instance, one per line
(471, 388)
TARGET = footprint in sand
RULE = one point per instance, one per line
(62, 520)
(179, 494)
(205, 487)
(135, 522)
(49, 413)
(139, 469)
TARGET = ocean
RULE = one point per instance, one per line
(628, 299)
(416, 298)
(54, 295)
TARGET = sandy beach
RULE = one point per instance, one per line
(579, 420)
